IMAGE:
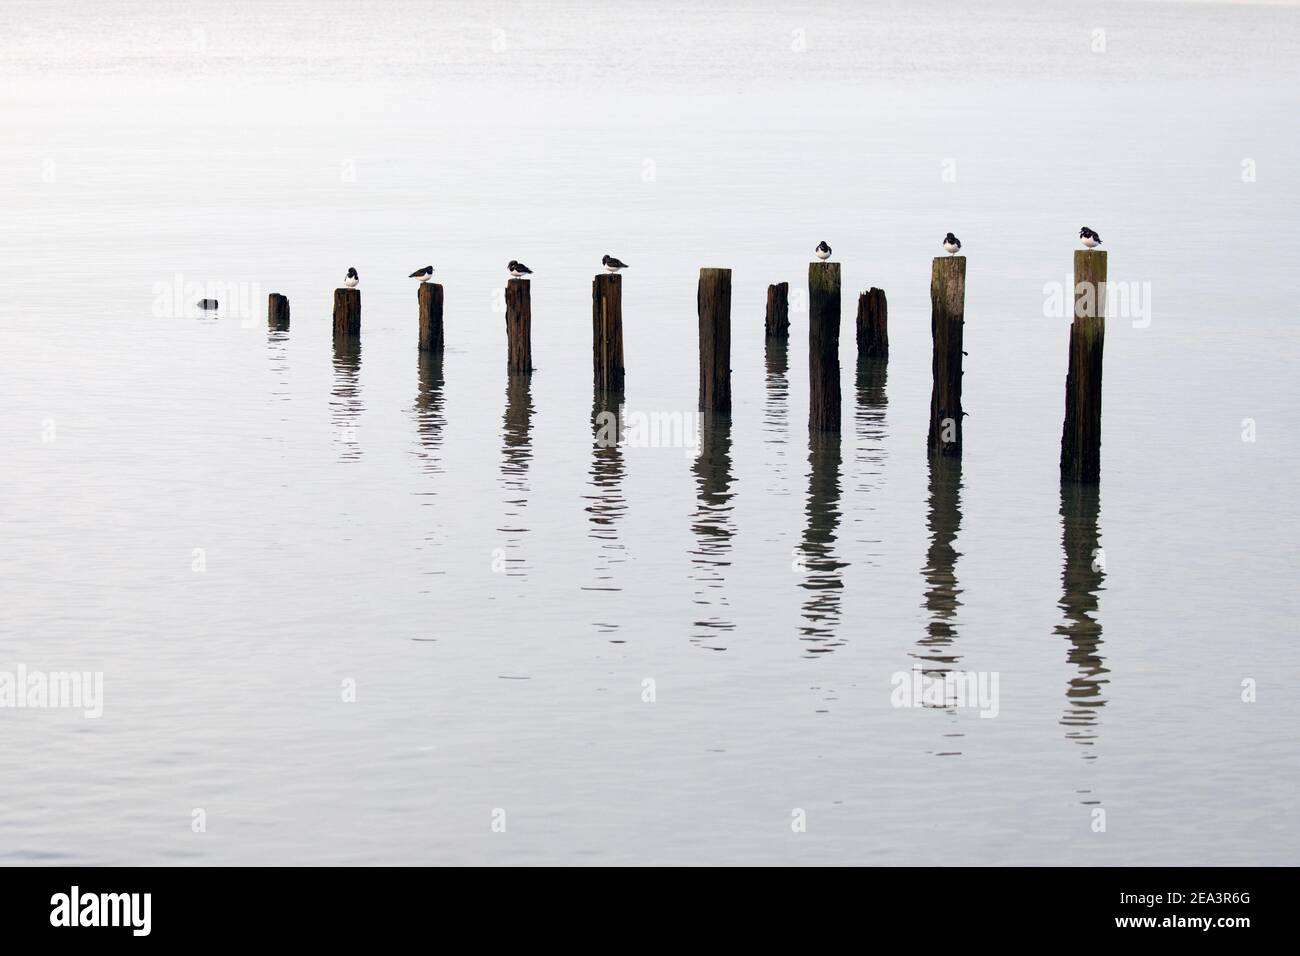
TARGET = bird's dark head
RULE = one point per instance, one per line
(950, 238)
(352, 272)
(604, 260)
(1084, 232)
(511, 264)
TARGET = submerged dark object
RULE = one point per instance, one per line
(207, 304)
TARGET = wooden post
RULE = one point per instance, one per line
(430, 300)
(277, 310)
(873, 324)
(347, 312)
(713, 302)
(824, 346)
(519, 325)
(1081, 435)
(947, 317)
(778, 311)
(607, 331)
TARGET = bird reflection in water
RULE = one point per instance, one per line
(1082, 574)
(345, 398)
(713, 528)
(605, 501)
(516, 455)
(822, 570)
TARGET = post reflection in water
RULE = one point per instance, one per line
(516, 454)
(776, 412)
(429, 421)
(1082, 574)
(713, 527)
(942, 595)
(869, 417)
(345, 398)
(822, 569)
(277, 341)
(429, 418)
(605, 501)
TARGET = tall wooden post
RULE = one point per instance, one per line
(277, 311)
(947, 317)
(1081, 435)
(347, 312)
(429, 296)
(873, 324)
(607, 331)
(824, 346)
(778, 311)
(713, 302)
(519, 325)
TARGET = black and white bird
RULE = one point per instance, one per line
(518, 269)
(1089, 238)
(951, 244)
(612, 264)
(351, 279)
(822, 251)
(424, 275)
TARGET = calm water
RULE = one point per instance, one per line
(497, 586)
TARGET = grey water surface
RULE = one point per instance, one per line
(636, 655)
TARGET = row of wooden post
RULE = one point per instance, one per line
(1080, 436)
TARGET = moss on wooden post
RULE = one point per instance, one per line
(430, 300)
(713, 303)
(873, 324)
(347, 312)
(777, 325)
(277, 311)
(519, 325)
(1081, 433)
(607, 331)
(824, 346)
(947, 318)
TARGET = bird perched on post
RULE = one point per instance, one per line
(1089, 238)
(424, 275)
(518, 269)
(612, 264)
(351, 279)
(951, 244)
(822, 251)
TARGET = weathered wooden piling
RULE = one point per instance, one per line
(873, 324)
(607, 331)
(277, 310)
(347, 311)
(713, 302)
(1081, 434)
(519, 325)
(947, 318)
(778, 311)
(824, 346)
(430, 300)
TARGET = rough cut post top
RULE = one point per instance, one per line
(712, 270)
